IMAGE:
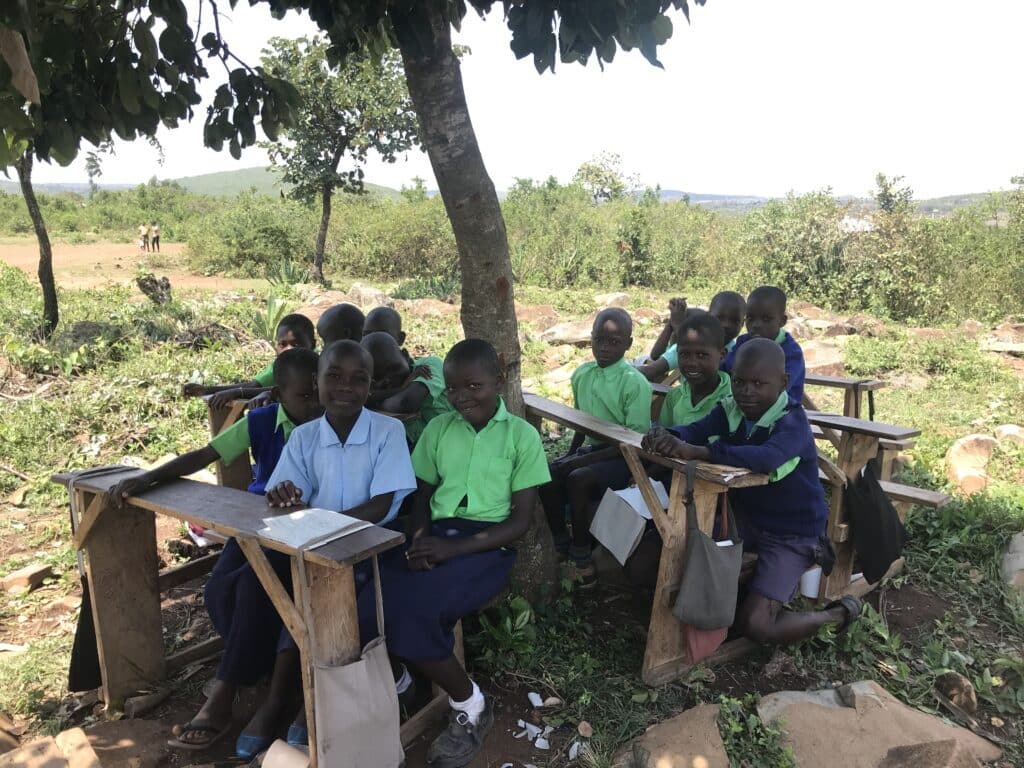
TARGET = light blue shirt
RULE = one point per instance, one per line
(335, 475)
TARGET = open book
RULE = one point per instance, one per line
(621, 518)
(310, 528)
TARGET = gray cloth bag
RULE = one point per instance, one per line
(707, 593)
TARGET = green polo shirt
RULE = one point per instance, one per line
(234, 441)
(678, 410)
(266, 376)
(619, 394)
(436, 401)
(476, 473)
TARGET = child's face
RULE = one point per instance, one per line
(298, 396)
(764, 319)
(390, 369)
(375, 324)
(288, 338)
(730, 315)
(472, 389)
(609, 343)
(344, 385)
(698, 360)
(756, 386)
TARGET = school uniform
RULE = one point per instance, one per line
(436, 401)
(671, 355)
(266, 376)
(239, 607)
(783, 521)
(475, 475)
(794, 363)
(679, 408)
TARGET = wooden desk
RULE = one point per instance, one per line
(853, 392)
(121, 564)
(237, 474)
(667, 654)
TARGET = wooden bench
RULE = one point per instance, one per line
(853, 389)
(666, 656)
(121, 564)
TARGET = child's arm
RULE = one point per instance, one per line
(223, 398)
(663, 340)
(200, 390)
(374, 510)
(183, 465)
(406, 399)
(778, 452)
(655, 371)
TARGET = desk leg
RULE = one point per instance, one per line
(237, 474)
(122, 567)
(667, 654)
(854, 452)
(328, 603)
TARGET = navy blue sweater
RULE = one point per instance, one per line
(792, 504)
(794, 364)
(266, 443)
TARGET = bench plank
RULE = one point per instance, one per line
(850, 425)
(843, 382)
(924, 497)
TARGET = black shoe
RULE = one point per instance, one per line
(460, 742)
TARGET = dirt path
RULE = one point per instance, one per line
(90, 265)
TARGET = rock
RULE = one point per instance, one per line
(1010, 433)
(39, 754)
(617, 299)
(857, 725)
(8, 734)
(646, 316)
(817, 325)
(823, 358)
(971, 328)
(1013, 563)
(949, 753)
(809, 311)
(688, 740)
(425, 308)
(367, 297)
(559, 375)
(959, 690)
(158, 289)
(966, 461)
(840, 329)
(927, 334)
(76, 748)
(577, 333)
(559, 355)
(26, 579)
(867, 325)
(798, 328)
(1009, 332)
(540, 317)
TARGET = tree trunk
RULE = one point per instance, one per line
(488, 309)
(321, 237)
(50, 312)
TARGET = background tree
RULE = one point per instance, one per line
(342, 115)
(603, 178)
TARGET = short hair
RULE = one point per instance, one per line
(298, 324)
(776, 297)
(385, 317)
(378, 341)
(294, 361)
(342, 321)
(762, 349)
(474, 351)
(345, 348)
(706, 326)
(731, 297)
(617, 315)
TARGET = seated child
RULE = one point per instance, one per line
(766, 314)
(478, 468)
(384, 320)
(342, 321)
(730, 309)
(613, 390)
(783, 521)
(239, 608)
(676, 312)
(404, 386)
(293, 332)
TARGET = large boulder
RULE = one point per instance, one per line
(1012, 434)
(539, 316)
(1009, 332)
(688, 740)
(966, 461)
(937, 754)
(857, 725)
(368, 297)
(1013, 563)
(823, 358)
(576, 333)
(617, 299)
(426, 308)
(807, 310)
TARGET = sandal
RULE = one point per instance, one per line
(853, 607)
(248, 746)
(197, 746)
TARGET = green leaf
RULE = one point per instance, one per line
(145, 43)
(661, 27)
(234, 148)
(223, 98)
(128, 89)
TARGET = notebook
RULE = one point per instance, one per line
(621, 518)
(310, 528)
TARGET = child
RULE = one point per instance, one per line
(342, 321)
(293, 332)
(676, 313)
(238, 606)
(478, 469)
(155, 236)
(730, 309)
(385, 320)
(611, 389)
(784, 521)
(766, 314)
(405, 386)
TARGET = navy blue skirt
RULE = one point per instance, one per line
(421, 608)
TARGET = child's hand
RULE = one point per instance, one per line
(421, 372)
(284, 494)
(130, 486)
(223, 399)
(418, 564)
(660, 440)
(676, 312)
(432, 549)
(191, 389)
(263, 398)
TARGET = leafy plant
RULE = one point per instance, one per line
(266, 322)
(285, 272)
(750, 742)
(508, 632)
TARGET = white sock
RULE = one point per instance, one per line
(473, 706)
(402, 683)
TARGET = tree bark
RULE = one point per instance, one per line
(434, 79)
(51, 314)
(321, 237)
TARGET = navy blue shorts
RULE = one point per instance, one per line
(781, 560)
(421, 608)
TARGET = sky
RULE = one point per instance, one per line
(755, 98)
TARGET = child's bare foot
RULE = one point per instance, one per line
(210, 723)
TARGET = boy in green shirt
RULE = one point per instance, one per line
(478, 468)
(613, 390)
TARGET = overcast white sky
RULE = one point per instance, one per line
(756, 98)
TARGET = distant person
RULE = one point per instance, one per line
(154, 237)
(143, 238)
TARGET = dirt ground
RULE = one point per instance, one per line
(89, 265)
